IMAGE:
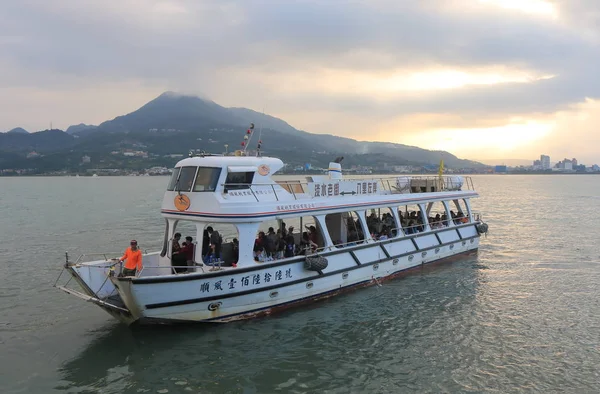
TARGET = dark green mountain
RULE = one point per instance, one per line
(174, 124)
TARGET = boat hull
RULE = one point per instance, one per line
(182, 300)
(308, 300)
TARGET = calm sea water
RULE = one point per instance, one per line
(522, 316)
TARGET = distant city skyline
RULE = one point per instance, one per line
(478, 78)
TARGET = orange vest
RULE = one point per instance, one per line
(133, 260)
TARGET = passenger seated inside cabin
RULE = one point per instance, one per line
(384, 234)
(260, 241)
(435, 222)
(445, 219)
(313, 233)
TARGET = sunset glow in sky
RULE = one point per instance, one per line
(483, 79)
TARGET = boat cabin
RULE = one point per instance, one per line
(238, 214)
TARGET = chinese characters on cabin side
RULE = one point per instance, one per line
(248, 280)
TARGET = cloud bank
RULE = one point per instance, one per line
(430, 73)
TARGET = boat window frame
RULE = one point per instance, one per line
(179, 182)
(214, 182)
(391, 210)
(239, 185)
(173, 179)
(421, 212)
(341, 243)
(432, 204)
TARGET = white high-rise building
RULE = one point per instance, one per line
(545, 161)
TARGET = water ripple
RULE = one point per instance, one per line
(523, 316)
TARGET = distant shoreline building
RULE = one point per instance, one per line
(545, 162)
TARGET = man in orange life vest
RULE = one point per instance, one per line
(132, 258)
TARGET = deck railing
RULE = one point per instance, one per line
(385, 185)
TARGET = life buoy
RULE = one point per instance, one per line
(315, 263)
(482, 228)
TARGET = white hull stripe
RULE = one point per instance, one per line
(307, 279)
(307, 210)
(320, 295)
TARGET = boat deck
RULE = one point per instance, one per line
(322, 186)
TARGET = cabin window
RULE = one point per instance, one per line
(223, 244)
(206, 180)
(225, 237)
(412, 218)
(173, 179)
(182, 179)
(381, 223)
(459, 212)
(238, 180)
(179, 252)
(436, 215)
(344, 229)
(280, 239)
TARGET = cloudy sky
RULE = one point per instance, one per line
(484, 79)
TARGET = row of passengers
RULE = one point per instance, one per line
(182, 255)
(382, 228)
(282, 244)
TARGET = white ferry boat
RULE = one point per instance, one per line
(352, 233)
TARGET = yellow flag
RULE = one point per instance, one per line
(441, 168)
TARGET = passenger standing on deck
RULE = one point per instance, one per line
(177, 257)
(215, 241)
(188, 252)
(132, 258)
(205, 244)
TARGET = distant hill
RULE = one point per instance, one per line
(176, 112)
(18, 130)
(42, 141)
(80, 127)
(173, 123)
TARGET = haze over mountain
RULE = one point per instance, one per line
(506, 162)
(174, 123)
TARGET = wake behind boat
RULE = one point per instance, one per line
(352, 233)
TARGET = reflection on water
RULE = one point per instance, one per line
(353, 342)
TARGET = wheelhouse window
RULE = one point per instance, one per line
(238, 180)
(182, 179)
(206, 180)
(173, 179)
